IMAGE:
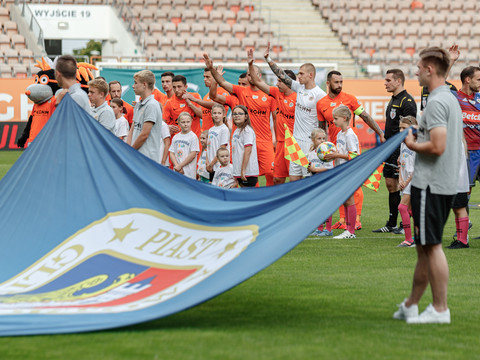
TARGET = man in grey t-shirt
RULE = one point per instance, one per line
(145, 133)
(434, 186)
(65, 74)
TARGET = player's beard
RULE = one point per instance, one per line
(336, 91)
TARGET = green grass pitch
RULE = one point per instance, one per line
(326, 299)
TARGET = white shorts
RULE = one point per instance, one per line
(407, 190)
(299, 170)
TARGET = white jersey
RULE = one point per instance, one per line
(202, 165)
(182, 145)
(463, 181)
(217, 136)
(121, 128)
(240, 140)
(317, 163)
(346, 141)
(224, 177)
(407, 161)
(165, 133)
(306, 110)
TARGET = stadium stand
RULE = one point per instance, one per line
(172, 30)
(387, 33)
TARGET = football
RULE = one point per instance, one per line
(324, 149)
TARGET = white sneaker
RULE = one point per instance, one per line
(431, 316)
(345, 235)
(404, 313)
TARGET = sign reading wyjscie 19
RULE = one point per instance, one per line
(62, 13)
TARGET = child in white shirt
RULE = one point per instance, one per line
(218, 136)
(184, 147)
(224, 174)
(347, 142)
(121, 124)
(202, 173)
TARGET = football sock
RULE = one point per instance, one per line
(462, 229)
(269, 179)
(358, 197)
(403, 209)
(351, 215)
(320, 228)
(393, 202)
(328, 223)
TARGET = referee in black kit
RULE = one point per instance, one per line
(401, 104)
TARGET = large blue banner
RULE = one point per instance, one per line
(95, 235)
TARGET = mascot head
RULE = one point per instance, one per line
(45, 84)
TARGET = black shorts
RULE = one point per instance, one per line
(251, 181)
(212, 174)
(430, 213)
(460, 201)
(390, 170)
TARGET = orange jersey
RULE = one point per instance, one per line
(40, 115)
(175, 106)
(259, 107)
(207, 121)
(160, 97)
(286, 111)
(326, 105)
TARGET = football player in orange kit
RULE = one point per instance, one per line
(260, 106)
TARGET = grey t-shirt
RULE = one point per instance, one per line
(440, 172)
(80, 97)
(148, 110)
(105, 116)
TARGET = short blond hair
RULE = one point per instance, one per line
(99, 84)
(409, 120)
(184, 114)
(342, 111)
(146, 76)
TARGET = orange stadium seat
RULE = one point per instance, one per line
(151, 5)
(173, 56)
(155, 29)
(248, 43)
(159, 55)
(161, 16)
(208, 5)
(147, 16)
(202, 16)
(175, 16)
(10, 27)
(230, 17)
(194, 4)
(4, 15)
(165, 43)
(230, 56)
(234, 5)
(239, 30)
(234, 44)
(26, 56)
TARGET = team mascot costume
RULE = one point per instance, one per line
(42, 92)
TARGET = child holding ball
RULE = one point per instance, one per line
(316, 166)
(347, 142)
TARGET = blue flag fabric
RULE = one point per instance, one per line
(95, 235)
